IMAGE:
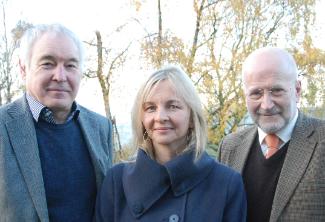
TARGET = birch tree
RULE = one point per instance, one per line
(224, 33)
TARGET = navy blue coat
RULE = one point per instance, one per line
(179, 190)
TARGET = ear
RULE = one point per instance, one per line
(298, 90)
(22, 69)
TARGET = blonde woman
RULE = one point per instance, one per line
(172, 178)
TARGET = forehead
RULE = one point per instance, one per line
(163, 90)
(267, 70)
(56, 45)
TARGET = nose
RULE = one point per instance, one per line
(267, 101)
(60, 74)
(161, 115)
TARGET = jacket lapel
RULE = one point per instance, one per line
(22, 135)
(90, 129)
(299, 152)
(243, 145)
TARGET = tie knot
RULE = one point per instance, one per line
(272, 141)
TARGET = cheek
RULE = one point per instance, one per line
(289, 104)
(34, 83)
(74, 81)
(285, 102)
(184, 121)
(38, 77)
(146, 121)
(251, 106)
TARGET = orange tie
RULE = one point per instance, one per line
(272, 141)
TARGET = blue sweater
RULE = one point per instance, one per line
(68, 173)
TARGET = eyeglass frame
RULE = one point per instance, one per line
(275, 92)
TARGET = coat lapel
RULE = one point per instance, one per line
(243, 145)
(22, 135)
(90, 129)
(299, 152)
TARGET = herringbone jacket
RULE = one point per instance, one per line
(300, 192)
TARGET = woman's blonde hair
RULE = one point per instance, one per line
(185, 89)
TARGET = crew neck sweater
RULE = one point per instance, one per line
(68, 173)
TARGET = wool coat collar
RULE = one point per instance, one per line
(146, 181)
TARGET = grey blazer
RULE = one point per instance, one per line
(22, 192)
(300, 192)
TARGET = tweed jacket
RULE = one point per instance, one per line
(181, 190)
(300, 192)
(22, 192)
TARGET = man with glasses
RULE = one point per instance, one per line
(281, 157)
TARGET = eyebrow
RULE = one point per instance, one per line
(53, 58)
(146, 103)
(272, 87)
(174, 101)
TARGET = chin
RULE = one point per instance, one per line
(161, 142)
(59, 105)
(271, 127)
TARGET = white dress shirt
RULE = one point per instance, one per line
(284, 134)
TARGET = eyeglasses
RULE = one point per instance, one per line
(257, 94)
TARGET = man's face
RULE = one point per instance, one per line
(53, 75)
(271, 93)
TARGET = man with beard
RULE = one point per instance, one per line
(281, 157)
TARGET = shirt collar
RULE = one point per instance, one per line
(284, 134)
(36, 107)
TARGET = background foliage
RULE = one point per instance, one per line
(223, 33)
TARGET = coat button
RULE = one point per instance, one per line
(137, 208)
(173, 218)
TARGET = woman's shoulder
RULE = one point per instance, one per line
(115, 173)
(217, 167)
(118, 169)
(224, 172)
(223, 167)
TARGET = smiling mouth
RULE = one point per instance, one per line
(162, 129)
(58, 90)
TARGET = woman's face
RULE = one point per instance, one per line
(166, 117)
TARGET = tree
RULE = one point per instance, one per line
(8, 46)
(225, 32)
(311, 61)
(110, 62)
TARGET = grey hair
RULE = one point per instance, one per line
(32, 34)
(185, 89)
